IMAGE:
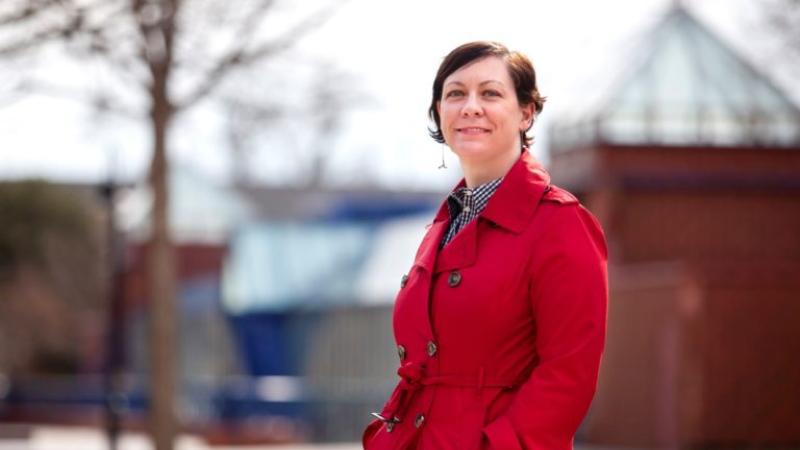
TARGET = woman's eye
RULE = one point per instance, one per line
(491, 93)
(454, 93)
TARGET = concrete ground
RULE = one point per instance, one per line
(82, 438)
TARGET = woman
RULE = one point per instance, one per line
(500, 322)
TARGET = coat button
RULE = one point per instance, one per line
(403, 281)
(389, 426)
(419, 420)
(431, 348)
(401, 352)
(454, 279)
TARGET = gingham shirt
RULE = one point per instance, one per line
(465, 204)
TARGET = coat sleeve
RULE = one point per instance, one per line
(569, 297)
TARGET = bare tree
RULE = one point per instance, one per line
(779, 23)
(308, 121)
(246, 119)
(783, 17)
(159, 58)
(334, 92)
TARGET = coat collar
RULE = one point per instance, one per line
(517, 197)
(511, 207)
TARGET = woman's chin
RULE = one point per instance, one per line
(471, 149)
(474, 151)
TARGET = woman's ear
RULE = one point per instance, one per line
(527, 117)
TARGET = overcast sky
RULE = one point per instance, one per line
(392, 50)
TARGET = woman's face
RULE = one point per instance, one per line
(479, 112)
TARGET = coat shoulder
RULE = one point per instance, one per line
(572, 221)
(559, 195)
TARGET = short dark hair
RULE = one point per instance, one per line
(519, 67)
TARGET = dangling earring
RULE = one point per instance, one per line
(443, 166)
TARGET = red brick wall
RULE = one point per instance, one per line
(703, 345)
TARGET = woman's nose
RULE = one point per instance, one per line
(471, 107)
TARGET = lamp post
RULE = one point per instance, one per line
(114, 364)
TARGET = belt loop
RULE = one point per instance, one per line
(480, 382)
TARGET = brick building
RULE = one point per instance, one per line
(691, 161)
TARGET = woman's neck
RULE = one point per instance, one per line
(478, 172)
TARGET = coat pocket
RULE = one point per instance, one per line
(475, 416)
(496, 433)
(500, 435)
(470, 429)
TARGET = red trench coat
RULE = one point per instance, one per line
(500, 333)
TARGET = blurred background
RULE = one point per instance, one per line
(206, 209)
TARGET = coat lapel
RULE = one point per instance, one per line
(513, 204)
(429, 248)
(461, 251)
(511, 207)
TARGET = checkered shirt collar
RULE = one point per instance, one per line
(470, 202)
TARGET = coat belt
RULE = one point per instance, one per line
(413, 377)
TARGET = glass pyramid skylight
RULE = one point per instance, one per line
(686, 88)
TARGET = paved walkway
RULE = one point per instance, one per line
(78, 438)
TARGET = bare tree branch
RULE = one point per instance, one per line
(28, 11)
(125, 66)
(240, 56)
(244, 117)
(86, 36)
(35, 40)
(97, 101)
(783, 16)
(141, 36)
(52, 32)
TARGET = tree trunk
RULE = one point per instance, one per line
(163, 354)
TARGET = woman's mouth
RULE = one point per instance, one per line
(472, 130)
